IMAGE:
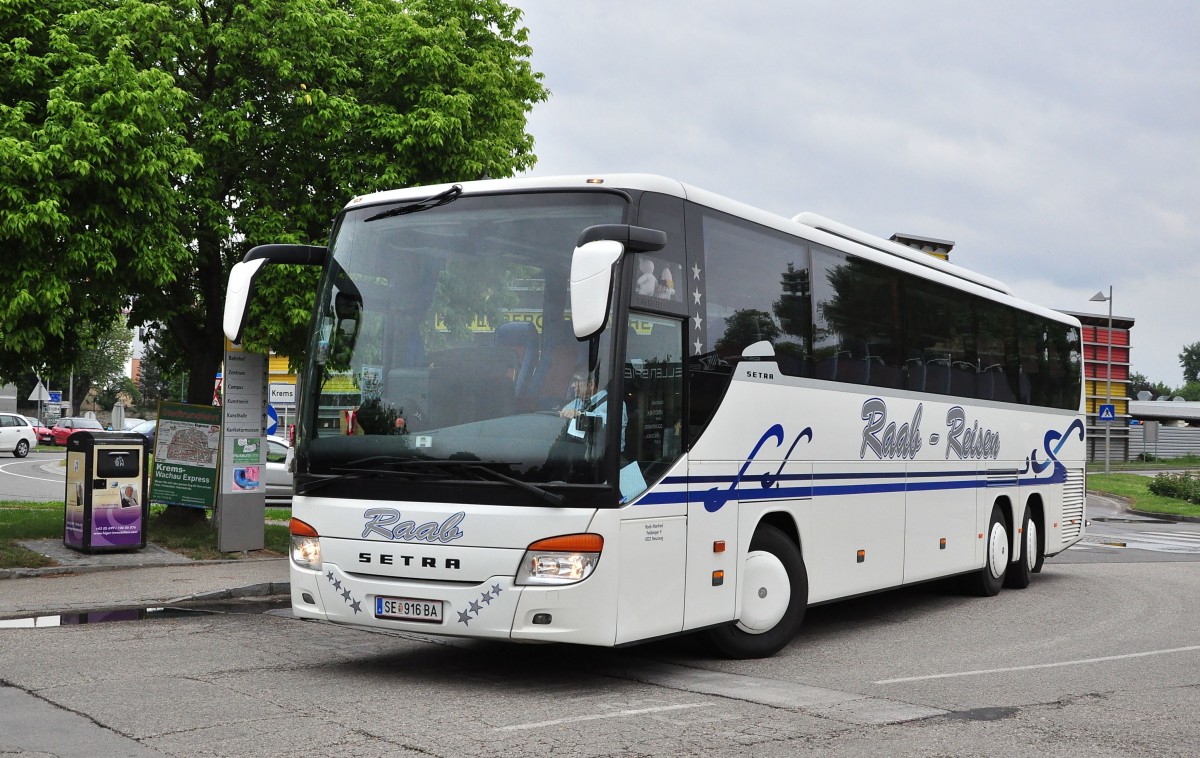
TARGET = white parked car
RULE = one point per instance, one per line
(277, 477)
(17, 435)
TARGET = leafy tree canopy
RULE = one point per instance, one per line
(1139, 382)
(1189, 360)
(146, 146)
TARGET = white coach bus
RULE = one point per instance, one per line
(604, 410)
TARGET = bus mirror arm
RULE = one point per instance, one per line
(241, 279)
(635, 239)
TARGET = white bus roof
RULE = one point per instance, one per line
(807, 224)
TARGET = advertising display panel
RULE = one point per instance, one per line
(186, 453)
(105, 507)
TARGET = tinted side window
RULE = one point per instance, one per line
(759, 288)
(659, 279)
(857, 334)
(940, 339)
(1050, 362)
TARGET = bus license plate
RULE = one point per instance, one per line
(409, 609)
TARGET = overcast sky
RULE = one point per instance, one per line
(1057, 143)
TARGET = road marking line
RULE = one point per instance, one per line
(596, 716)
(979, 672)
(4, 468)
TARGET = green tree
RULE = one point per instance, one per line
(1189, 360)
(121, 389)
(1189, 391)
(99, 367)
(145, 147)
(160, 379)
(89, 163)
(1139, 382)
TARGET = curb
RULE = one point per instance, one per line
(1166, 516)
(1148, 514)
(23, 573)
(265, 589)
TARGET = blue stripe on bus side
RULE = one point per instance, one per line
(755, 492)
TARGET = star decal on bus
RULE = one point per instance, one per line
(347, 597)
(475, 607)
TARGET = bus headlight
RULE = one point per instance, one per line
(306, 545)
(560, 560)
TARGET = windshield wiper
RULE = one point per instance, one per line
(348, 472)
(482, 472)
(391, 465)
(479, 468)
(433, 201)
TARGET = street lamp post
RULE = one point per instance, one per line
(1100, 297)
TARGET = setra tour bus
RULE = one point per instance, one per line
(604, 410)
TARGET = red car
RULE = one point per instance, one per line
(45, 437)
(68, 426)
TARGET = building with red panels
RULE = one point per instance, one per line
(1103, 349)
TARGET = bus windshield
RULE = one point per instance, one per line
(443, 350)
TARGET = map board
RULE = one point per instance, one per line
(186, 452)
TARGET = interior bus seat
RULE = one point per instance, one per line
(985, 382)
(1001, 387)
(521, 337)
(826, 368)
(962, 379)
(914, 373)
(793, 364)
(854, 362)
(937, 376)
(549, 386)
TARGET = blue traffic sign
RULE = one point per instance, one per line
(272, 420)
(1108, 412)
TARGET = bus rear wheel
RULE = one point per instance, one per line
(1020, 574)
(774, 586)
(988, 581)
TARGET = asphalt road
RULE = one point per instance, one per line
(38, 476)
(1100, 656)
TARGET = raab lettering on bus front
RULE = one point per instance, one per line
(386, 523)
(717, 497)
(1057, 439)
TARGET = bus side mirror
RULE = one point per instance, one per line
(598, 248)
(241, 279)
(591, 285)
(237, 296)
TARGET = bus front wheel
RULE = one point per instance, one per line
(774, 586)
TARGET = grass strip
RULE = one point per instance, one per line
(193, 534)
(1135, 489)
